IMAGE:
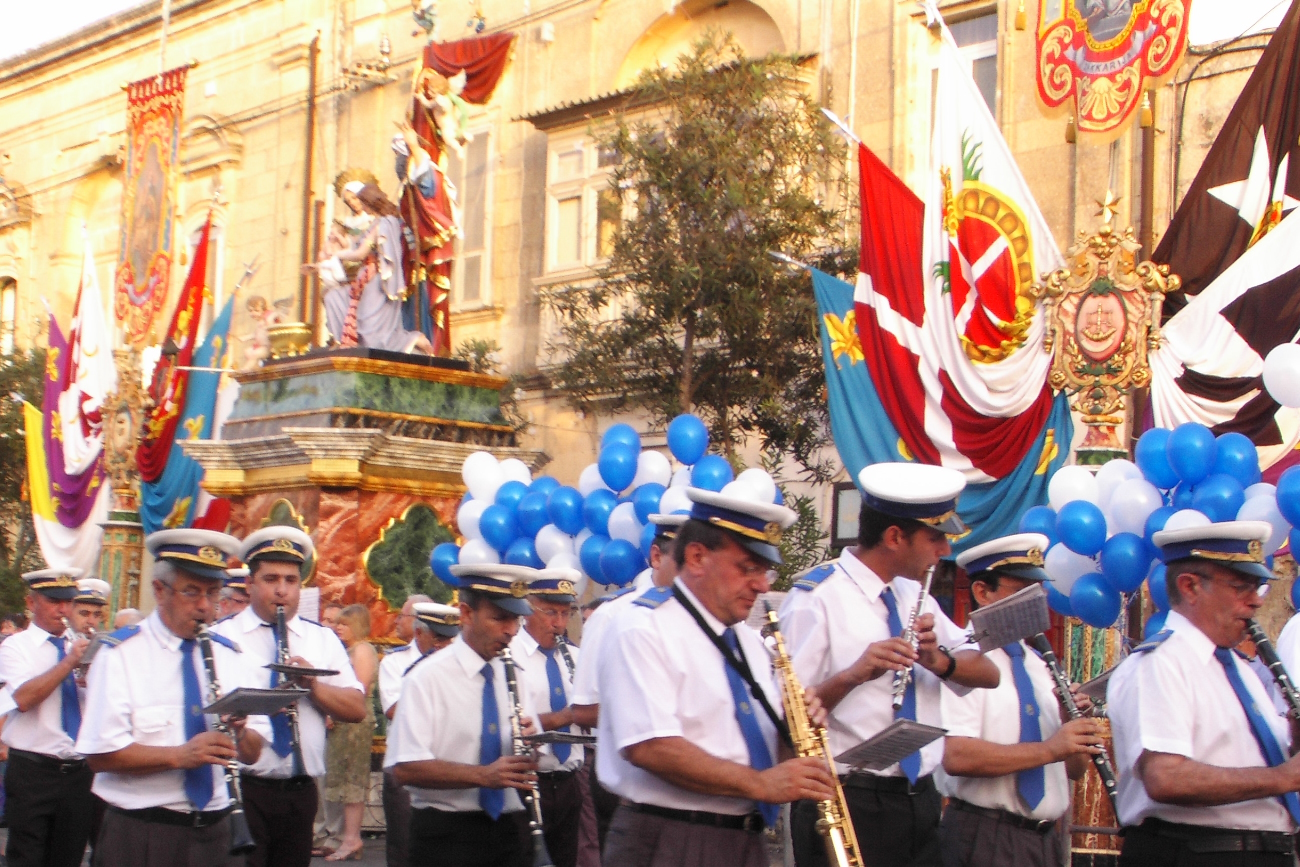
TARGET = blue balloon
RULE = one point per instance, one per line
(1182, 495)
(712, 473)
(589, 556)
(441, 559)
(617, 464)
(623, 434)
(596, 510)
(646, 500)
(1191, 451)
(647, 539)
(1157, 587)
(1094, 601)
(532, 514)
(522, 552)
(544, 484)
(1081, 527)
(1040, 519)
(1155, 523)
(779, 499)
(1155, 623)
(1295, 595)
(564, 508)
(620, 562)
(498, 526)
(1288, 495)
(1152, 458)
(1236, 455)
(688, 438)
(1219, 496)
(1124, 561)
(466, 498)
(510, 494)
(1059, 602)
(1293, 542)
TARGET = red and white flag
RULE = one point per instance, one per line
(92, 375)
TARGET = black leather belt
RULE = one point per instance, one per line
(750, 823)
(1038, 826)
(63, 766)
(1197, 838)
(163, 816)
(555, 775)
(278, 784)
(888, 785)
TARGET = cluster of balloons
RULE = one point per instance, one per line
(1101, 527)
(600, 526)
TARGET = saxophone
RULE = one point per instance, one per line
(834, 824)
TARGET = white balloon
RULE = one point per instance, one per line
(583, 535)
(1112, 476)
(1261, 489)
(1282, 374)
(652, 467)
(1130, 506)
(1185, 518)
(467, 518)
(476, 552)
(624, 525)
(565, 560)
(482, 475)
(590, 480)
(515, 470)
(1069, 484)
(738, 489)
(758, 480)
(1064, 566)
(681, 478)
(674, 500)
(1265, 509)
(551, 541)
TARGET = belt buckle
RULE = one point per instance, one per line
(1043, 824)
(753, 823)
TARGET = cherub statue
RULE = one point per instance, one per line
(258, 341)
(440, 97)
(425, 13)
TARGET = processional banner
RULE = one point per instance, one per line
(1104, 54)
(154, 108)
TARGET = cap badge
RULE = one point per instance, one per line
(282, 545)
(211, 554)
(519, 589)
(565, 587)
(1034, 556)
(772, 532)
(1256, 549)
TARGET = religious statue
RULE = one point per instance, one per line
(258, 342)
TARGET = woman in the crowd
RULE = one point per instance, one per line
(347, 752)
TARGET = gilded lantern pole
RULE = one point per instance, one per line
(122, 550)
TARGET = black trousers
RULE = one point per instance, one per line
(280, 816)
(444, 839)
(894, 828)
(561, 813)
(641, 840)
(126, 841)
(971, 840)
(49, 813)
(397, 821)
(1144, 848)
(605, 801)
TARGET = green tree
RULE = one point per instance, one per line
(22, 377)
(727, 162)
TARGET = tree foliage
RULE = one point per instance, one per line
(690, 313)
(22, 377)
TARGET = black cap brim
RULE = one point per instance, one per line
(511, 604)
(443, 629)
(198, 570)
(1028, 573)
(59, 594)
(562, 598)
(759, 548)
(1249, 569)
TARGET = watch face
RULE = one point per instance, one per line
(121, 432)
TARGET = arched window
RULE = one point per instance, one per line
(8, 314)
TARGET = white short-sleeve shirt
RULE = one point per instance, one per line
(135, 695)
(1177, 699)
(662, 677)
(391, 668)
(320, 647)
(827, 629)
(440, 716)
(534, 680)
(23, 656)
(586, 683)
(993, 715)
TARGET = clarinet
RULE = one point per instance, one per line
(1061, 686)
(904, 677)
(1268, 655)
(563, 644)
(241, 838)
(520, 747)
(282, 657)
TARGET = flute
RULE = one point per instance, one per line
(1268, 655)
(904, 677)
(1061, 686)
(519, 747)
(241, 838)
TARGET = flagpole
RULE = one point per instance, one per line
(162, 39)
(1146, 218)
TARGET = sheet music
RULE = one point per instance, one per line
(309, 604)
(757, 618)
(1095, 689)
(890, 745)
(247, 701)
(1019, 616)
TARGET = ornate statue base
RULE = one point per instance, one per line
(364, 447)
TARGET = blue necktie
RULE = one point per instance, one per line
(1031, 782)
(493, 801)
(760, 757)
(71, 709)
(1268, 744)
(281, 731)
(198, 781)
(911, 765)
(558, 701)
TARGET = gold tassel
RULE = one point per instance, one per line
(1020, 16)
(1144, 117)
(1071, 135)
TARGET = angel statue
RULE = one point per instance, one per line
(425, 13)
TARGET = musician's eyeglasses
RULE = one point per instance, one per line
(193, 594)
(1243, 589)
